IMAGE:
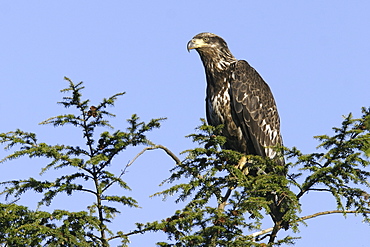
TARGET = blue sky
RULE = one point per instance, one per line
(315, 55)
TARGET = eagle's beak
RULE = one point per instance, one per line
(191, 45)
(194, 44)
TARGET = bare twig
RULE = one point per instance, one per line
(331, 212)
(253, 235)
(323, 189)
(127, 234)
(169, 152)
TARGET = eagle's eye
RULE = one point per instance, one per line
(205, 39)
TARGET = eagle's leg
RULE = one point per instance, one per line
(243, 166)
(276, 200)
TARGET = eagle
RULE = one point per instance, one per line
(238, 98)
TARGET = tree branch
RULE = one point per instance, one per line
(128, 234)
(322, 189)
(169, 152)
(172, 155)
(331, 212)
(221, 205)
(253, 235)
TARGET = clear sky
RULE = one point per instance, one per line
(315, 55)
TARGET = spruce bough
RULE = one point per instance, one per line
(224, 205)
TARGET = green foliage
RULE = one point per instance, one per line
(227, 195)
(22, 227)
(227, 201)
(91, 164)
(341, 170)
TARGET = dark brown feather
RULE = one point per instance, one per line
(254, 109)
(238, 98)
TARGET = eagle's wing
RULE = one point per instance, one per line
(254, 109)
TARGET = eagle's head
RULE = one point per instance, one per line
(212, 49)
(206, 41)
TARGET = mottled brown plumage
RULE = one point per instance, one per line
(238, 98)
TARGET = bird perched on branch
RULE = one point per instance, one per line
(238, 98)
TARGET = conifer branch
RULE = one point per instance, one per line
(253, 235)
(331, 212)
(222, 205)
(169, 152)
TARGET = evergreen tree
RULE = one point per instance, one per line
(92, 163)
(225, 205)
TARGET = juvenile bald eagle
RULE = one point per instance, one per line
(238, 98)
